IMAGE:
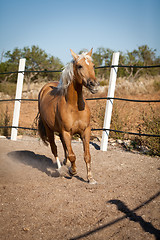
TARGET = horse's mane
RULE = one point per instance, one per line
(67, 73)
(66, 78)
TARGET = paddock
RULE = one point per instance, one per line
(36, 203)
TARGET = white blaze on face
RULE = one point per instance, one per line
(87, 61)
(86, 57)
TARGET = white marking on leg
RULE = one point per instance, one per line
(58, 162)
(89, 174)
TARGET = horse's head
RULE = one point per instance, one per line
(83, 68)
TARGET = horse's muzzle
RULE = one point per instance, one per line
(92, 85)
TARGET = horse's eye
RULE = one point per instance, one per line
(79, 66)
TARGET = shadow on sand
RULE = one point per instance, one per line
(131, 215)
(41, 162)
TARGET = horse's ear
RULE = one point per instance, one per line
(74, 55)
(90, 52)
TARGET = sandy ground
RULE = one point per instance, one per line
(36, 203)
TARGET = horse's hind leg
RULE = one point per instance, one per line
(53, 146)
(87, 157)
(66, 160)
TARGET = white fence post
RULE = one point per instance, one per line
(109, 105)
(17, 104)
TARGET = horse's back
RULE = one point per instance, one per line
(47, 100)
(48, 87)
(47, 103)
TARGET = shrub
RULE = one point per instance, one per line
(116, 124)
(156, 85)
(8, 88)
(151, 124)
(5, 122)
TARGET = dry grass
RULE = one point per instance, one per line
(142, 85)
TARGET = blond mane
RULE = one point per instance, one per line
(66, 78)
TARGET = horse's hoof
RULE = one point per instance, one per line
(72, 172)
(66, 162)
(92, 181)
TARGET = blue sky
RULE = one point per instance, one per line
(58, 25)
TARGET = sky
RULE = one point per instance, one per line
(57, 26)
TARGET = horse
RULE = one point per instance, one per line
(63, 110)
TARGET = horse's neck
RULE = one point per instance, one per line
(75, 96)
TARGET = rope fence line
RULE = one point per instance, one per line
(25, 128)
(93, 129)
(97, 129)
(88, 99)
(100, 67)
(127, 66)
(130, 133)
(32, 71)
(23, 99)
(122, 99)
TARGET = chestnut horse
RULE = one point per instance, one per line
(63, 109)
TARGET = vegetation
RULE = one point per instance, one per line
(5, 121)
(8, 88)
(142, 56)
(150, 124)
(36, 59)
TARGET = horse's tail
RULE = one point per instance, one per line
(41, 129)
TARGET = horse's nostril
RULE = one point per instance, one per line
(91, 82)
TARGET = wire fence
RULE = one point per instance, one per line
(97, 129)
(100, 67)
(92, 129)
(89, 99)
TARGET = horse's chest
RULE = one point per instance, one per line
(77, 122)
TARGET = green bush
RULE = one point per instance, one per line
(8, 88)
(116, 124)
(151, 125)
(156, 85)
(5, 121)
(103, 83)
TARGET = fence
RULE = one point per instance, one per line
(106, 126)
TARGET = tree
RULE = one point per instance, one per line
(103, 56)
(142, 56)
(36, 59)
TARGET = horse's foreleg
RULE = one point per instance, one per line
(87, 157)
(71, 155)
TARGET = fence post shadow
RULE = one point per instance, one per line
(146, 226)
(132, 216)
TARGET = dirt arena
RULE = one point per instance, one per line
(36, 203)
